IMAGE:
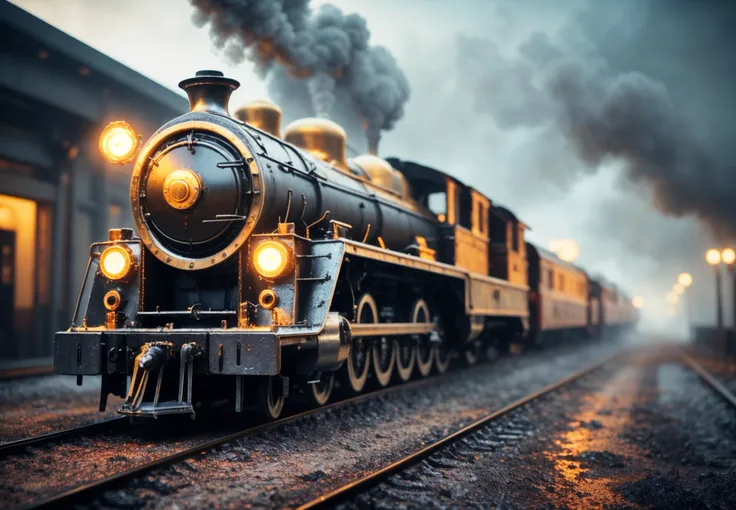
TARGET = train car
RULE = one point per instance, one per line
(617, 310)
(265, 265)
(596, 320)
(559, 301)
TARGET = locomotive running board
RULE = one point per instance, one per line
(392, 328)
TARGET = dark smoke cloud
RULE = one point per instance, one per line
(327, 48)
(616, 93)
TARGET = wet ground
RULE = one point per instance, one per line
(39, 405)
(647, 434)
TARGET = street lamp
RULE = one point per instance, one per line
(729, 257)
(685, 280)
(714, 257)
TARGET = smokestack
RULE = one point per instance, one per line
(209, 91)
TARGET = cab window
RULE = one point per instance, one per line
(437, 203)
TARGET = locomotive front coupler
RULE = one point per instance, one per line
(155, 356)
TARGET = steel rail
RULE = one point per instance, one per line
(340, 494)
(709, 379)
(95, 428)
(25, 372)
(66, 498)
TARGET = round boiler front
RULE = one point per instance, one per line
(195, 194)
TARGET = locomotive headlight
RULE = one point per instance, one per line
(119, 142)
(270, 259)
(116, 262)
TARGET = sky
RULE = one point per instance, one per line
(484, 110)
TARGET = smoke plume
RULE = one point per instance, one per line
(614, 110)
(325, 47)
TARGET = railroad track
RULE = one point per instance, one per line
(369, 480)
(86, 492)
(374, 478)
(97, 427)
(22, 372)
(708, 378)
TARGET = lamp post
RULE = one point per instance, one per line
(713, 257)
(729, 257)
(685, 280)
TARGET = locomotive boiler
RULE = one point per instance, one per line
(265, 265)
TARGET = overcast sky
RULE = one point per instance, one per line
(459, 58)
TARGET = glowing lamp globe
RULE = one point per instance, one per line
(713, 257)
(728, 256)
(119, 142)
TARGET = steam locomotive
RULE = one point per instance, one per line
(266, 264)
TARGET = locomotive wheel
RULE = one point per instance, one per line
(384, 356)
(424, 348)
(320, 392)
(492, 352)
(271, 396)
(354, 373)
(442, 357)
(406, 358)
(473, 352)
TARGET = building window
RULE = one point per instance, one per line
(18, 225)
(551, 278)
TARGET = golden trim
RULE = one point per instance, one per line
(268, 299)
(425, 252)
(111, 320)
(112, 300)
(451, 201)
(182, 188)
(500, 312)
(394, 257)
(259, 185)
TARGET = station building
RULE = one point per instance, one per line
(57, 194)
